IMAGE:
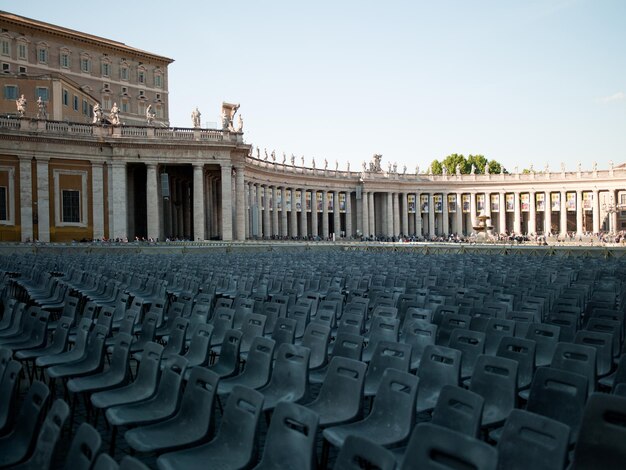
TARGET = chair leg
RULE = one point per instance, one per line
(113, 438)
(324, 457)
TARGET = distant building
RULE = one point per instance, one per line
(34, 54)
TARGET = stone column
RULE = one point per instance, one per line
(118, 199)
(303, 221)
(372, 213)
(532, 213)
(26, 198)
(388, 215)
(596, 211)
(517, 223)
(404, 207)
(283, 212)
(267, 231)
(547, 215)
(152, 201)
(188, 209)
(247, 210)
(348, 214)
(366, 213)
(444, 214)
(418, 215)
(275, 230)
(502, 213)
(431, 216)
(43, 200)
(396, 214)
(259, 211)
(579, 212)
(472, 212)
(198, 202)
(488, 206)
(227, 204)
(314, 229)
(563, 215)
(325, 214)
(336, 215)
(459, 214)
(615, 200)
(294, 214)
(241, 211)
(97, 194)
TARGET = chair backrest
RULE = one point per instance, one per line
(496, 329)
(342, 389)
(95, 347)
(495, 379)
(132, 463)
(290, 441)
(358, 453)
(351, 323)
(603, 343)
(149, 326)
(602, 433)
(105, 317)
(196, 409)
(84, 449)
(560, 395)
(176, 340)
(105, 462)
(49, 434)
(348, 345)
(449, 323)
(576, 358)
(30, 415)
(5, 357)
(317, 338)
(606, 325)
(149, 367)
(435, 446)
(199, 350)
(395, 401)
(8, 394)
(291, 369)
(259, 362)
(440, 366)
(546, 336)
(471, 344)
(253, 326)
(419, 334)
(459, 409)
(530, 440)
(222, 321)
(388, 354)
(523, 351)
(284, 331)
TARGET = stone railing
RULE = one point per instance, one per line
(56, 128)
(295, 169)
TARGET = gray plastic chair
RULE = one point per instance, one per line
(289, 380)
(387, 355)
(258, 368)
(235, 443)
(192, 424)
(358, 453)
(459, 409)
(8, 395)
(440, 366)
(227, 363)
(84, 449)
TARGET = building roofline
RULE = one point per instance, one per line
(78, 35)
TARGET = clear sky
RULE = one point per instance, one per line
(522, 82)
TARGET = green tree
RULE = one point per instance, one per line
(451, 161)
(436, 168)
(465, 164)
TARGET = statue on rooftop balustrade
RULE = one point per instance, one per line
(473, 169)
(41, 109)
(457, 169)
(97, 114)
(284, 157)
(595, 166)
(21, 105)
(444, 170)
(195, 117)
(150, 115)
(114, 115)
(228, 115)
(239, 127)
(486, 168)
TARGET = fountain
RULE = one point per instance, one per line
(482, 229)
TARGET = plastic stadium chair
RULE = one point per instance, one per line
(546, 336)
(290, 440)
(317, 338)
(387, 355)
(602, 434)
(341, 394)
(358, 453)
(74, 354)
(289, 380)
(227, 363)
(17, 444)
(576, 358)
(471, 344)
(459, 409)
(84, 449)
(603, 343)
(192, 423)
(434, 447)
(235, 443)
(523, 351)
(440, 366)
(258, 368)
(8, 395)
(48, 438)
(560, 395)
(529, 440)
(418, 334)
(391, 419)
(345, 345)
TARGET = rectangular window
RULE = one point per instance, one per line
(22, 51)
(66, 98)
(3, 203)
(22, 70)
(10, 92)
(41, 91)
(5, 47)
(106, 102)
(85, 65)
(65, 60)
(75, 103)
(85, 108)
(106, 69)
(158, 96)
(124, 90)
(124, 106)
(42, 55)
(141, 76)
(124, 73)
(71, 206)
(6, 68)
(157, 81)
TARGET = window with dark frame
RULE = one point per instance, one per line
(71, 206)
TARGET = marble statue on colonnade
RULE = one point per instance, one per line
(195, 118)
(150, 115)
(228, 115)
(97, 114)
(114, 115)
(41, 109)
(21, 105)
